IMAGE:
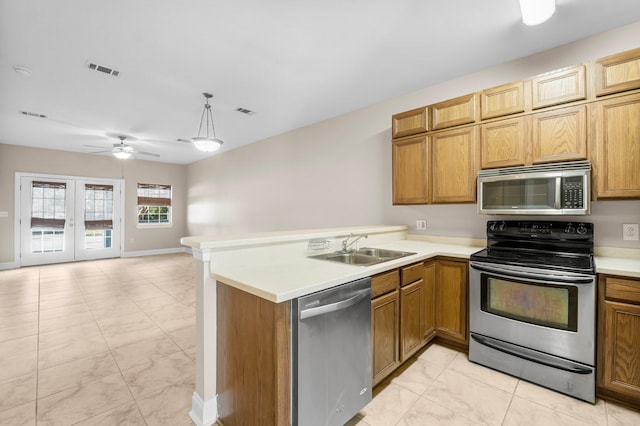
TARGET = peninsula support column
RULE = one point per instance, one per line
(204, 410)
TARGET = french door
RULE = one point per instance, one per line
(64, 219)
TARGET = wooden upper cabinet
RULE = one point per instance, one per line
(617, 73)
(617, 167)
(410, 172)
(454, 112)
(502, 100)
(505, 143)
(558, 87)
(560, 135)
(409, 122)
(454, 165)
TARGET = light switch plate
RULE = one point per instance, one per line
(630, 231)
(4, 214)
(421, 224)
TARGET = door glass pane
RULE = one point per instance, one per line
(542, 304)
(98, 216)
(47, 216)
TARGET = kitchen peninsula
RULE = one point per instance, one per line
(264, 272)
(244, 285)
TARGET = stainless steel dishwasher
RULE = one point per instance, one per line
(331, 354)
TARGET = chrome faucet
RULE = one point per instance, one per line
(346, 244)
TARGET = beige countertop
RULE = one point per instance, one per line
(276, 266)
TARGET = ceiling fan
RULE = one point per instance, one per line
(121, 150)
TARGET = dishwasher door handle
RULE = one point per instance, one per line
(332, 307)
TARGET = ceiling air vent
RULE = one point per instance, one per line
(245, 111)
(103, 69)
(33, 114)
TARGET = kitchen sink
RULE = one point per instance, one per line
(363, 257)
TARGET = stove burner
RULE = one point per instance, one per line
(558, 247)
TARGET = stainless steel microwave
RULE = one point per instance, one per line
(548, 189)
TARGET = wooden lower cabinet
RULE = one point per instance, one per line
(411, 319)
(385, 334)
(423, 301)
(429, 282)
(618, 366)
(253, 362)
(451, 301)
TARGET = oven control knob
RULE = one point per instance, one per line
(503, 226)
(569, 229)
(493, 226)
(582, 229)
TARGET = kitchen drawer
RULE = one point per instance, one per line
(622, 290)
(384, 283)
(412, 273)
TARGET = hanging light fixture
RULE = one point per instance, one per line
(208, 142)
(535, 12)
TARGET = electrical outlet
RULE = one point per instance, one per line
(630, 231)
(421, 224)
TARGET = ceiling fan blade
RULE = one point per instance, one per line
(151, 154)
(95, 146)
(101, 152)
(184, 140)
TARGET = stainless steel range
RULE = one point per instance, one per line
(533, 304)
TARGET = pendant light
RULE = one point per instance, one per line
(535, 12)
(208, 142)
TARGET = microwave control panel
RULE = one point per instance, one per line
(572, 192)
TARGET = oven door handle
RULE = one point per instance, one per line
(527, 354)
(542, 276)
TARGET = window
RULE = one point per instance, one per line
(154, 204)
(98, 217)
(47, 217)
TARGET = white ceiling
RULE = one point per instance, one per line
(294, 62)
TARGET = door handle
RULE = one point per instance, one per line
(332, 307)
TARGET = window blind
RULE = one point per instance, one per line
(98, 207)
(48, 205)
(154, 195)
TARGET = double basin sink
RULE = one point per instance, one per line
(363, 257)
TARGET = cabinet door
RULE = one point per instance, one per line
(385, 335)
(617, 166)
(617, 73)
(502, 100)
(410, 178)
(560, 135)
(621, 372)
(505, 143)
(409, 123)
(451, 300)
(558, 87)
(454, 165)
(454, 112)
(429, 282)
(411, 319)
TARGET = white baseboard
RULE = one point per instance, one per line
(154, 252)
(9, 265)
(203, 413)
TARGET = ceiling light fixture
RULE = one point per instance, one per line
(535, 12)
(208, 142)
(122, 155)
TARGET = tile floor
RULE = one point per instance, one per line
(112, 342)
(441, 387)
(106, 342)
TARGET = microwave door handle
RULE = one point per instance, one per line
(558, 199)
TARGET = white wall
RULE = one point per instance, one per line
(338, 172)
